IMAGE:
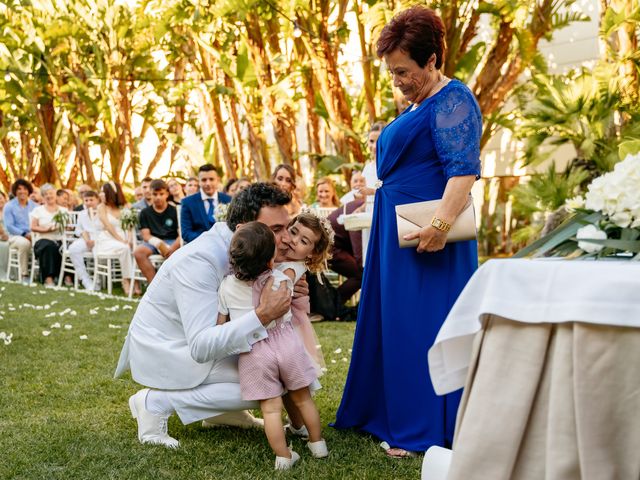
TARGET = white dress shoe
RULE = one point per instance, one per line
(284, 463)
(241, 419)
(318, 449)
(151, 428)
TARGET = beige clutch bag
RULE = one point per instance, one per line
(413, 216)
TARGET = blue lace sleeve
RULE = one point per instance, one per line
(457, 128)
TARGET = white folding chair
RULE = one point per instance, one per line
(34, 261)
(68, 237)
(108, 267)
(136, 273)
(14, 264)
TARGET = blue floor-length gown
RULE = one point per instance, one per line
(405, 295)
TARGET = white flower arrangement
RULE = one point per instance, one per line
(129, 219)
(606, 221)
(617, 194)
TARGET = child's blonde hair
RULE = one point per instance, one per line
(322, 249)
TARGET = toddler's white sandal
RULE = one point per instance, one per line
(284, 463)
(318, 449)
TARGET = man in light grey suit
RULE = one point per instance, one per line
(174, 347)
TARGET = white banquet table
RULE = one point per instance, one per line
(548, 352)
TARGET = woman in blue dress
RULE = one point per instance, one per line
(430, 151)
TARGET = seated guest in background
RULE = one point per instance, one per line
(192, 186)
(284, 176)
(49, 238)
(159, 229)
(326, 196)
(35, 196)
(62, 198)
(17, 223)
(146, 194)
(137, 194)
(176, 194)
(235, 186)
(86, 230)
(230, 187)
(198, 210)
(4, 240)
(82, 189)
(346, 257)
(356, 183)
(110, 239)
(241, 184)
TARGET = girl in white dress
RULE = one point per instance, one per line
(110, 238)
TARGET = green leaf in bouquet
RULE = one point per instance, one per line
(561, 234)
(61, 219)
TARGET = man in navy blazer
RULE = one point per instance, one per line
(197, 210)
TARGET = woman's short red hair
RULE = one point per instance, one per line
(419, 31)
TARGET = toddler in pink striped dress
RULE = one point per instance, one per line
(280, 363)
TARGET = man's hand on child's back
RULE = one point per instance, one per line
(273, 303)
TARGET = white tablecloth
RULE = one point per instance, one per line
(533, 291)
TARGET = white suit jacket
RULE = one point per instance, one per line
(173, 341)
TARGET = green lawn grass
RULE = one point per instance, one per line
(63, 416)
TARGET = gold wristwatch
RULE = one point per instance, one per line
(440, 224)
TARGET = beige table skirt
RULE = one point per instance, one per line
(550, 402)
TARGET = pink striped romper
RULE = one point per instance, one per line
(278, 363)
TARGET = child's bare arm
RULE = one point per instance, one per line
(289, 272)
(222, 319)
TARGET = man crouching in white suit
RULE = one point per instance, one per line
(174, 347)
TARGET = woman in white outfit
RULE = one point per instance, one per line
(371, 178)
(110, 238)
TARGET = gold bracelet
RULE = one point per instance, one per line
(440, 224)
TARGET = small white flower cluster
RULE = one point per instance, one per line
(6, 337)
(617, 193)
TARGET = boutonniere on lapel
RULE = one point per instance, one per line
(220, 213)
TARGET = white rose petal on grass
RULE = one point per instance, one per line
(83, 337)
(68, 327)
(114, 326)
(333, 360)
(49, 315)
(344, 359)
(46, 333)
(337, 350)
(55, 325)
(592, 233)
(3, 335)
(127, 307)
